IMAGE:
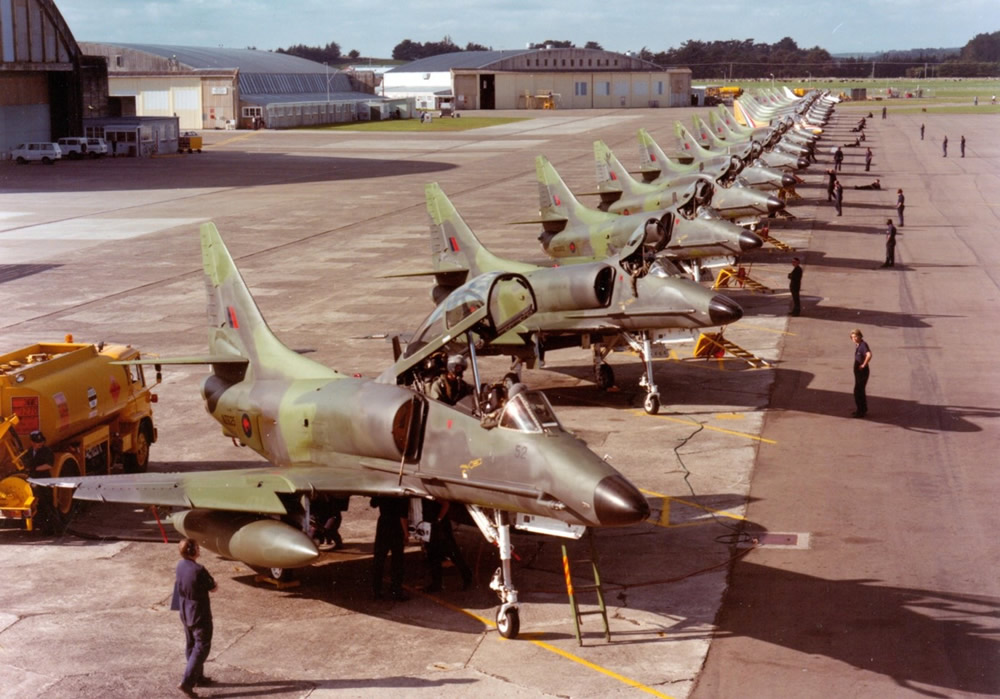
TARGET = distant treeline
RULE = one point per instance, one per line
(746, 59)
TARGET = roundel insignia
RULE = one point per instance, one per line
(625, 212)
(246, 425)
(614, 176)
(555, 198)
(572, 247)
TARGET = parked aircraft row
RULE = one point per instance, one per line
(501, 452)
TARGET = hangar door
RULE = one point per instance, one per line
(487, 92)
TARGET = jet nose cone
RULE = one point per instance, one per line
(723, 310)
(774, 205)
(803, 163)
(617, 503)
(750, 241)
(788, 180)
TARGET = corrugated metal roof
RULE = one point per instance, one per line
(459, 59)
(311, 98)
(249, 60)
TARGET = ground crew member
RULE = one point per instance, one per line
(838, 197)
(832, 178)
(390, 538)
(921, 132)
(868, 159)
(442, 545)
(900, 205)
(795, 285)
(944, 147)
(862, 358)
(191, 598)
(838, 159)
(890, 244)
(961, 146)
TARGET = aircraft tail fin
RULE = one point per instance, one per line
(688, 144)
(555, 200)
(651, 156)
(454, 247)
(236, 326)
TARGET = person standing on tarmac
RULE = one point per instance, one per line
(191, 598)
(900, 206)
(862, 358)
(961, 146)
(795, 286)
(391, 532)
(442, 545)
(944, 147)
(868, 159)
(890, 244)
(838, 197)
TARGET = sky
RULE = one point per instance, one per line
(374, 27)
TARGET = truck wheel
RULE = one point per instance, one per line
(64, 508)
(21, 160)
(137, 460)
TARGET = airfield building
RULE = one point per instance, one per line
(214, 88)
(570, 78)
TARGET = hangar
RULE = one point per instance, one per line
(215, 88)
(571, 78)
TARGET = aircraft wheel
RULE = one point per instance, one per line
(652, 403)
(509, 623)
(605, 376)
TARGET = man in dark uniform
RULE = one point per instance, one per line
(390, 537)
(921, 132)
(900, 205)
(944, 147)
(191, 588)
(868, 159)
(838, 159)
(795, 285)
(831, 180)
(862, 358)
(961, 145)
(890, 244)
(442, 545)
(838, 197)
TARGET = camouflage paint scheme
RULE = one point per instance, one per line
(574, 232)
(327, 432)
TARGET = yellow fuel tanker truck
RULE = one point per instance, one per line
(93, 413)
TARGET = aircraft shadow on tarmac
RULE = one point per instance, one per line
(687, 391)
(209, 170)
(872, 627)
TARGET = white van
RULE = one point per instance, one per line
(78, 146)
(48, 153)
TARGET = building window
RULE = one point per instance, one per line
(659, 87)
(119, 62)
(581, 89)
(571, 64)
(590, 62)
(564, 63)
(616, 61)
(546, 63)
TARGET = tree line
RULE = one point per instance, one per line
(744, 59)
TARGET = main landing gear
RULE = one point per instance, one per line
(496, 528)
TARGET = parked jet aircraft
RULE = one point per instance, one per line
(657, 167)
(627, 299)
(325, 432)
(622, 194)
(573, 232)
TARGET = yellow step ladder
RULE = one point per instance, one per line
(765, 234)
(573, 591)
(711, 345)
(739, 277)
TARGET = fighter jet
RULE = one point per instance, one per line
(656, 166)
(326, 432)
(746, 150)
(622, 194)
(573, 232)
(628, 299)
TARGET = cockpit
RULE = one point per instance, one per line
(529, 411)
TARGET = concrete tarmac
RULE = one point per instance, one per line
(108, 250)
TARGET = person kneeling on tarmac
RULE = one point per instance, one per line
(449, 387)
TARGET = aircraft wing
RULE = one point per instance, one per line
(253, 490)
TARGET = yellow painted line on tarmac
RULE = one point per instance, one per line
(664, 520)
(552, 649)
(642, 413)
(234, 139)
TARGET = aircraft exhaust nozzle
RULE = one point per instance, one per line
(788, 180)
(618, 503)
(750, 241)
(774, 205)
(723, 310)
(257, 541)
(803, 163)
